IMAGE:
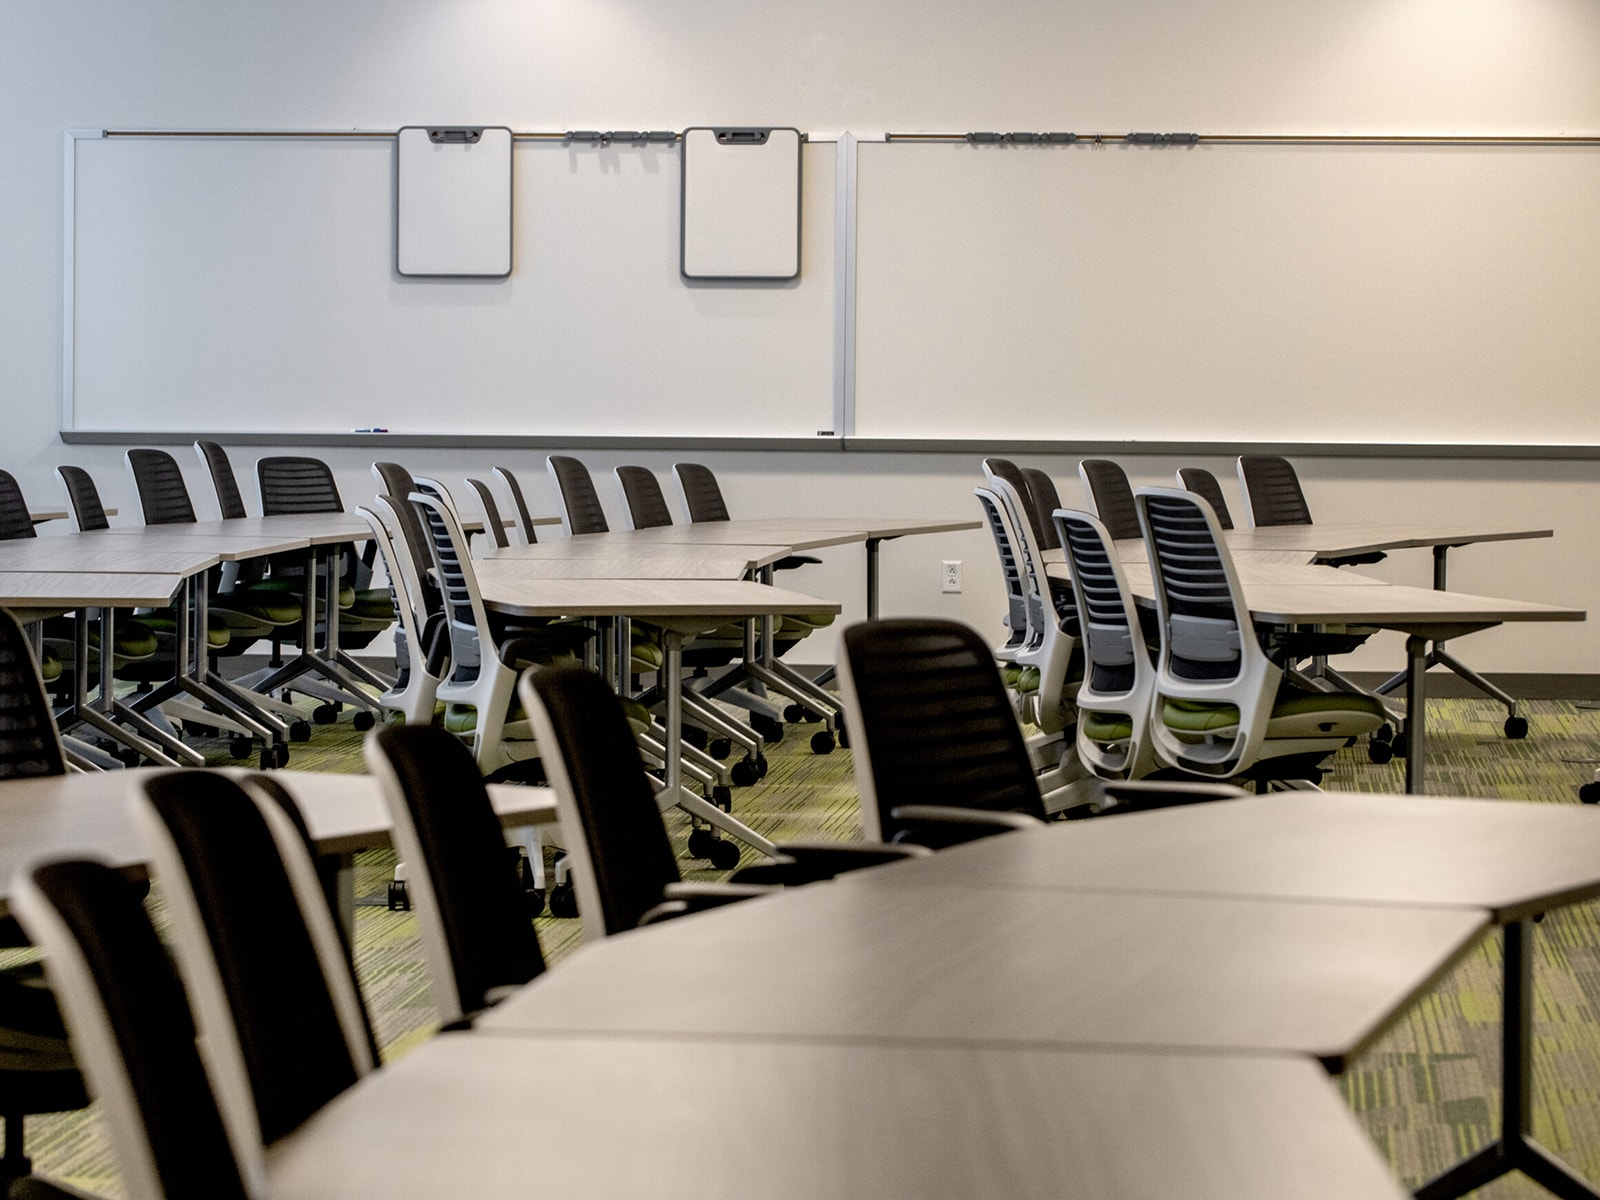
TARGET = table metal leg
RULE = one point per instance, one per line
(1416, 712)
(1516, 1150)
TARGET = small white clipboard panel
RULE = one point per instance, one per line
(453, 201)
(741, 203)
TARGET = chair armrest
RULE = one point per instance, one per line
(940, 825)
(682, 899)
(1141, 795)
(810, 862)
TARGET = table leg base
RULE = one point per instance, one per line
(1501, 1158)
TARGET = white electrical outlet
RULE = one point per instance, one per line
(951, 575)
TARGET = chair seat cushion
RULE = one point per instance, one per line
(1106, 726)
(373, 604)
(1295, 713)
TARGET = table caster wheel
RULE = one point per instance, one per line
(363, 721)
(1516, 727)
(822, 742)
(724, 854)
(324, 714)
(745, 772)
(563, 901)
(299, 731)
(240, 747)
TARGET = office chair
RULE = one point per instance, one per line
(477, 934)
(134, 1032)
(939, 756)
(1038, 518)
(625, 870)
(493, 528)
(1044, 500)
(1223, 706)
(1204, 484)
(1112, 497)
(260, 950)
(131, 639)
(525, 524)
(37, 1071)
(422, 644)
(1114, 698)
(1016, 618)
(703, 501)
(581, 510)
(16, 523)
(641, 493)
(1272, 491)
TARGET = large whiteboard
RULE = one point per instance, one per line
(248, 284)
(1352, 294)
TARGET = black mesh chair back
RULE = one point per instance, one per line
(1111, 636)
(1112, 496)
(291, 484)
(29, 744)
(493, 527)
(461, 875)
(84, 497)
(581, 510)
(593, 763)
(518, 500)
(1038, 520)
(133, 1031)
(286, 992)
(14, 519)
(1204, 484)
(450, 576)
(702, 495)
(1010, 570)
(932, 723)
(399, 483)
(1042, 499)
(1201, 625)
(1273, 490)
(163, 496)
(647, 506)
(229, 500)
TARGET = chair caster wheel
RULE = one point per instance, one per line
(722, 797)
(762, 765)
(720, 747)
(399, 900)
(299, 731)
(1379, 752)
(724, 855)
(822, 742)
(324, 714)
(698, 838)
(563, 901)
(745, 772)
(1399, 745)
(130, 758)
(535, 897)
(771, 731)
(363, 721)
(1589, 793)
(240, 747)
(844, 738)
(1516, 727)
(1383, 733)
(794, 714)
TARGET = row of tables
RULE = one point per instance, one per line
(1126, 1007)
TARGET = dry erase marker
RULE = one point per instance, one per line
(374, 429)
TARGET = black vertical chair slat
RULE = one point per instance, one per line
(437, 797)
(136, 1032)
(230, 502)
(1204, 484)
(1112, 495)
(702, 495)
(295, 1051)
(514, 486)
(579, 499)
(163, 496)
(641, 490)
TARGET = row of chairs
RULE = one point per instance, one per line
(1218, 699)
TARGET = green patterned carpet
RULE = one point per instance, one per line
(1428, 1092)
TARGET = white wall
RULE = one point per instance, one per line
(1361, 66)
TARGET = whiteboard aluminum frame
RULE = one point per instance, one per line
(729, 136)
(400, 190)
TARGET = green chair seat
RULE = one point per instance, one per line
(372, 604)
(1106, 726)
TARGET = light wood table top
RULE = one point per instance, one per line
(697, 563)
(62, 590)
(1337, 539)
(89, 814)
(1512, 858)
(649, 599)
(608, 1117)
(88, 554)
(892, 962)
